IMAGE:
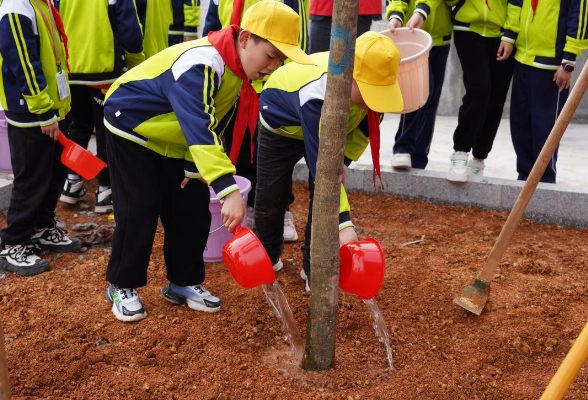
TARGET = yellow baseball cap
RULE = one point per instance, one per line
(376, 67)
(279, 24)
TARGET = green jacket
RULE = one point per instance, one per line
(489, 18)
(556, 34)
(437, 20)
(105, 38)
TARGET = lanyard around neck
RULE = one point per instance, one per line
(51, 27)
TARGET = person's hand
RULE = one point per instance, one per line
(504, 51)
(190, 38)
(347, 235)
(233, 210)
(51, 130)
(562, 78)
(186, 180)
(343, 176)
(393, 24)
(415, 22)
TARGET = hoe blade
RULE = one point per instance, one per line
(473, 297)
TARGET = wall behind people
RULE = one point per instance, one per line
(453, 89)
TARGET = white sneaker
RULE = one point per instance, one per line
(279, 265)
(305, 278)
(476, 167)
(401, 161)
(250, 218)
(290, 234)
(459, 167)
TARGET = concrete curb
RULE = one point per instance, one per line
(551, 204)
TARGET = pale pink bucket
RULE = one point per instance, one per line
(413, 73)
(5, 164)
(219, 235)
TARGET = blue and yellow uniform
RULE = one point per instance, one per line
(114, 44)
(172, 105)
(185, 20)
(28, 84)
(551, 35)
(290, 106)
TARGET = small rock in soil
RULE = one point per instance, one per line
(84, 207)
(84, 227)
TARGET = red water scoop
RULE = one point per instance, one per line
(247, 260)
(78, 159)
(362, 268)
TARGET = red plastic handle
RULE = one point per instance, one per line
(62, 139)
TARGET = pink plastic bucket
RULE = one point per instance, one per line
(219, 235)
(413, 73)
(5, 165)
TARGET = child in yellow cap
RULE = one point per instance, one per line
(290, 111)
(164, 119)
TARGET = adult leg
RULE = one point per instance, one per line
(501, 75)
(276, 158)
(185, 217)
(473, 57)
(437, 63)
(520, 119)
(136, 190)
(545, 96)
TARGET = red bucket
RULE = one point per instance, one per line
(78, 159)
(362, 268)
(247, 260)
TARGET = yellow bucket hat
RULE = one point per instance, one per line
(280, 25)
(376, 67)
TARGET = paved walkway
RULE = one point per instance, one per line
(572, 163)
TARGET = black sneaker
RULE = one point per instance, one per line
(103, 201)
(73, 192)
(22, 260)
(55, 239)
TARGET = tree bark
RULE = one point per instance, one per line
(324, 247)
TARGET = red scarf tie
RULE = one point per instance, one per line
(374, 127)
(224, 42)
(534, 7)
(59, 25)
(237, 12)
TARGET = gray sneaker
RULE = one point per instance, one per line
(195, 296)
(22, 260)
(55, 239)
(126, 305)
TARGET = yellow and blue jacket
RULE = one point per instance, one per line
(488, 18)
(105, 38)
(437, 20)
(156, 18)
(177, 103)
(290, 106)
(556, 34)
(28, 66)
(186, 18)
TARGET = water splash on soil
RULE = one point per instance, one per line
(380, 328)
(279, 303)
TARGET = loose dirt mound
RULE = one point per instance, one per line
(62, 341)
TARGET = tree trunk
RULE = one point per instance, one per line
(4, 385)
(324, 247)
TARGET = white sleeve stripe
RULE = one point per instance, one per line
(313, 90)
(204, 55)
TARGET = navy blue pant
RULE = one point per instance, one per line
(320, 31)
(486, 82)
(533, 112)
(415, 131)
(38, 179)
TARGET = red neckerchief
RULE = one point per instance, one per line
(374, 127)
(224, 42)
(237, 12)
(59, 25)
(488, 5)
(534, 7)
